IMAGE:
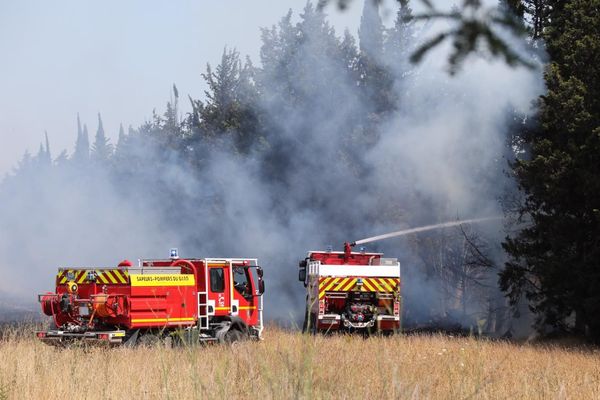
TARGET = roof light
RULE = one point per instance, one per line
(174, 253)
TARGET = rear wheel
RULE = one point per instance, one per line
(305, 323)
(313, 324)
(233, 335)
(148, 340)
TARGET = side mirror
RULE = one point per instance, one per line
(302, 271)
(302, 274)
(259, 272)
(261, 286)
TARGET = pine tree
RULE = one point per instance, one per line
(25, 165)
(101, 149)
(349, 52)
(121, 135)
(229, 112)
(81, 154)
(62, 159)
(400, 41)
(44, 157)
(374, 78)
(555, 260)
(85, 143)
(370, 31)
(123, 150)
(40, 158)
(48, 155)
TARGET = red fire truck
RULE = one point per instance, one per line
(351, 291)
(196, 299)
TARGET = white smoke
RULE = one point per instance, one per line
(438, 157)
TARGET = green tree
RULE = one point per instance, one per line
(81, 155)
(555, 259)
(229, 112)
(374, 78)
(370, 31)
(349, 53)
(101, 149)
(400, 40)
(474, 28)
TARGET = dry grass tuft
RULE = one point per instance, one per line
(290, 365)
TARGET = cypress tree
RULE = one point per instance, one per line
(556, 259)
(101, 149)
(82, 145)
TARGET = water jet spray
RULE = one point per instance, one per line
(425, 228)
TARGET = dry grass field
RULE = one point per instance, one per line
(290, 365)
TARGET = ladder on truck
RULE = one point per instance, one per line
(203, 310)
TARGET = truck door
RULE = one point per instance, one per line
(244, 289)
(219, 278)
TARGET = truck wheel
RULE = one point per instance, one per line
(313, 324)
(148, 340)
(232, 336)
(305, 323)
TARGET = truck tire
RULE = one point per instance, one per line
(313, 324)
(148, 340)
(305, 323)
(233, 335)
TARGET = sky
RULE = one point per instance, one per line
(119, 58)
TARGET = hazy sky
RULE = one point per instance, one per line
(119, 58)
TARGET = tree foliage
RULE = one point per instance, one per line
(555, 259)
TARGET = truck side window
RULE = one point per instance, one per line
(217, 280)
(240, 281)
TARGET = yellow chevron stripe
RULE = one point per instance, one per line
(330, 284)
(350, 285)
(384, 285)
(368, 286)
(82, 277)
(323, 282)
(102, 278)
(120, 276)
(335, 280)
(339, 287)
(376, 285)
(64, 276)
(113, 276)
(108, 273)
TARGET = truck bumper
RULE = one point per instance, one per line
(388, 323)
(59, 337)
(329, 322)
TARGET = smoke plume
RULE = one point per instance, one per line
(334, 167)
